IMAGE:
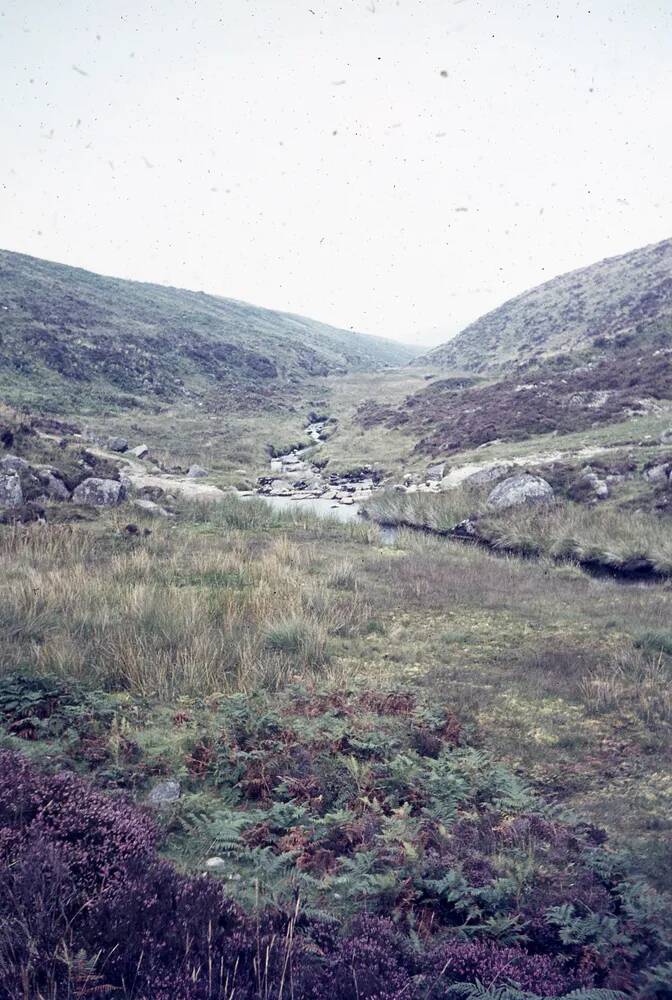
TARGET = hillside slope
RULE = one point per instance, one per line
(613, 299)
(70, 338)
(560, 395)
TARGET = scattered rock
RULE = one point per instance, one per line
(658, 473)
(465, 529)
(436, 472)
(164, 793)
(280, 488)
(215, 864)
(140, 451)
(489, 475)
(522, 489)
(149, 507)
(11, 494)
(54, 487)
(154, 493)
(119, 444)
(98, 493)
(598, 487)
(197, 472)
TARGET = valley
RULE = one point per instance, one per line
(359, 669)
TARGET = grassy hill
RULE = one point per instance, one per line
(611, 301)
(71, 340)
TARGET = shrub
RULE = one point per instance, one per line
(88, 908)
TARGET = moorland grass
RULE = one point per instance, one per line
(538, 658)
(608, 537)
(177, 612)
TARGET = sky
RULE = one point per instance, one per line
(397, 167)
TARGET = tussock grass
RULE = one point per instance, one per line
(433, 511)
(658, 640)
(632, 681)
(596, 535)
(611, 538)
(171, 614)
(343, 577)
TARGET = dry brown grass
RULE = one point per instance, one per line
(173, 613)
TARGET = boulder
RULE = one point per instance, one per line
(12, 463)
(196, 472)
(164, 793)
(657, 473)
(54, 488)
(488, 475)
(666, 436)
(11, 494)
(119, 444)
(518, 490)
(98, 493)
(276, 465)
(149, 507)
(140, 451)
(280, 488)
(437, 471)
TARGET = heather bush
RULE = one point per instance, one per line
(362, 862)
(489, 963)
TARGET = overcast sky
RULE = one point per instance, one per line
(395, 166)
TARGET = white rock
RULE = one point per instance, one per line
(215, 864)
(164, 793)
(658, 473)
(98, 492)
(280, 488)
(522, 489)
(140, 451)
(11, 494)
(488, 475)
(149, 507)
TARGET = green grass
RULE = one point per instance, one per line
(630, 432)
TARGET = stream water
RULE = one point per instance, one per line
(315, 505)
